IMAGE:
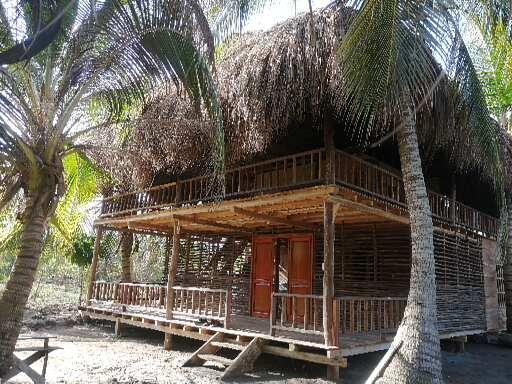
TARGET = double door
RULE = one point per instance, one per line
(272, 263)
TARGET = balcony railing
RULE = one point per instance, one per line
(295, 171)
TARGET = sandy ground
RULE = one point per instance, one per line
(92, 354)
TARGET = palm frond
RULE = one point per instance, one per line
(6, 38)
(228, 17)
(41, 34)
(473, 111)
(387, 51)
(82, 178)
(143, 52)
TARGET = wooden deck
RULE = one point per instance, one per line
(246, 326)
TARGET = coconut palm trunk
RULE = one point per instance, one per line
(507, 266)
(418, 358)
(17, 290)
(126, 256)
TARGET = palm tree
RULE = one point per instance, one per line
(387, 65)
(105, 58)
(494, 58)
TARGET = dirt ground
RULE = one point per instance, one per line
(92, 354)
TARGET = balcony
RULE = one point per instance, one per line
(295, 172)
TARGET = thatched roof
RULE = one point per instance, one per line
(278, 91)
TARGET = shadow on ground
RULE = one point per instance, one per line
(92, 353)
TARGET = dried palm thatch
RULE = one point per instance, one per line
(289, 76)
(274, 82)
(171, 137)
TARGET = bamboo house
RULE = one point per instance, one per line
(306, 251)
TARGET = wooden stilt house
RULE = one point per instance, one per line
(305, 254)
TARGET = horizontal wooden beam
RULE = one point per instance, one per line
(297, 195)
(379, 212)
(193, 219)
(368, 209)
(130, 229)
(272, 219)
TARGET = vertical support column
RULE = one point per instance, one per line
(330, 176)
(94, 264)
(453, 212)
(165, 273)
(328, 285)
(490, 284)
(173, 267)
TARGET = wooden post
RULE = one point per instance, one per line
(330, 176)
(173, 267)
(328, 285)
(94, 264)
(273, 312)
(229, 299)
(165, 273)
(118, 327)
(45, 362)
(454, 200)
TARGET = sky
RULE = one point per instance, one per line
(280, 10)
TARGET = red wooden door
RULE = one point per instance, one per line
(262, 276)
(300, 271)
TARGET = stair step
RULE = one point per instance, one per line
(216, 359)
(229, 345)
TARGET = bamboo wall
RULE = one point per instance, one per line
(374, 260)
(370, 260)
(217, 262)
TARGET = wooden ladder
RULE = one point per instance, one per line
(244, 362)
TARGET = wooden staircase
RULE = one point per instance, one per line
(248, 353)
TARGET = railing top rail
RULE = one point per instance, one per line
(374, 298)
(390, 172)
(141, 284)
(142, 190)
(277, 159)
(212, 290)
(297, 295)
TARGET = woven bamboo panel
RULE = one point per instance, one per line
(374, 260)
(370, 260)
(500, 285)
(217, 262)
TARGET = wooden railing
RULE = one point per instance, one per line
(144, 295)
(386, 185)
(207, 303)
(351, 314)
(306, 168)
(369, 178)
(293, 171)
(369, 314)
(296, 313)
(196, 302)
(104, 291)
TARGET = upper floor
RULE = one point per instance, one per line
(369, 185)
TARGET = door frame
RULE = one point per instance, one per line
(273, 238)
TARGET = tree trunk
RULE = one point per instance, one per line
(17, 290)
(507, 266)
(126, 256)
(418, 360)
